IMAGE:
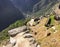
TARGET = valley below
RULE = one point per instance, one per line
(28, 23)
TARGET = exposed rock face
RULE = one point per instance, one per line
(17, 30)
(57, 9)
(22, 38)
(31, 22)
(57, 17)
(12, 40)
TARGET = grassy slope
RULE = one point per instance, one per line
(4, 33)
(52, 40)
(45, 9)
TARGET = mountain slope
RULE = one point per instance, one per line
(25, 5)
(44, 3)
(8, 13)
(10, 10)
(29, 6)
(44, 6)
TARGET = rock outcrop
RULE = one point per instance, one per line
(56, 10)
(21, 37)
(57, 18)
(31, 22)
(17, 30)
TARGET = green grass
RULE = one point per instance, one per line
(4, 33)
(52, 19)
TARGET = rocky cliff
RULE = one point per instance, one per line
(43, 31)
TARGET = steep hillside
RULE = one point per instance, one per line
(43, 35)
(28, 6)
(44, 7)
(8, 13)
(25, 5)
(43, 30)
(46, 36)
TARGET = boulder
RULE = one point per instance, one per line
(17, 30)
(36, 19)
(53, 27)
(12, 41)
(31, 22)
(57, 18)
(40, 17)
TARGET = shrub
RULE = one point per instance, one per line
(4, 34)
(52, 19)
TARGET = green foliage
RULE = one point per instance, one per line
(16, 24)
(52, 19)
(4, 34)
